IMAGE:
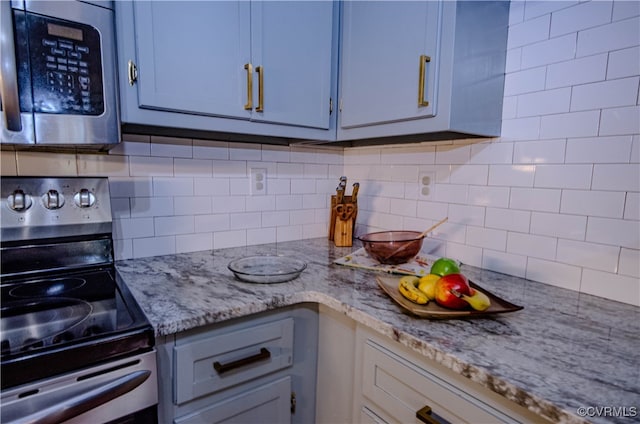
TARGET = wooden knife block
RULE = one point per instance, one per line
(342, 221)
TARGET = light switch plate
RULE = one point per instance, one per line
(258, 181)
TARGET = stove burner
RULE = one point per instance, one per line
(44, 288)
(29, 325)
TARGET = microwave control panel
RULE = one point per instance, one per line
(66, 66)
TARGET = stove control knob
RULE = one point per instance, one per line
(19, 201)
(84, 198)
(53, 200)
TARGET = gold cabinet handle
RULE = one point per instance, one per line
(421, 79)
(249, 104)
(260, 71)
(132, 72)
(426, 416)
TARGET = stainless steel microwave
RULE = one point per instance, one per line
(58, 74)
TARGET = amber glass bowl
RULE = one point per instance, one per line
(392, 247)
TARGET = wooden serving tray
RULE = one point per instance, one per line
(432, 310)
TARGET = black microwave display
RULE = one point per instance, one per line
(66, 66)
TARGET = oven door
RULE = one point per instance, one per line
(111, 392)
(57, 80)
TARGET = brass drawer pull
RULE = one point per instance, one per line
(421, 79)
(427, 416)
(222, 368)
(249, 104)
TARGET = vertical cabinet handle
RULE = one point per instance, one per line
(132, 72)
(9, 75)
(249, 104)
(421, 79)
(260, 71)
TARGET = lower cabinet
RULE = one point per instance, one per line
(394, 384)
(260, 368)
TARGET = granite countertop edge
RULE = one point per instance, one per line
(166, 323)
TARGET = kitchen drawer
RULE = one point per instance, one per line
(400, 388)
(248, 352)
(270, 403)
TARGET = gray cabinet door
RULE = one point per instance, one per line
(382, 46)
(191, 56)
(270, 403)
(291, 43)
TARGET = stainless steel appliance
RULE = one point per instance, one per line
(57, 75)
(74, 343)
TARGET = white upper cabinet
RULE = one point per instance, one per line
(261, 68)
(422, 67)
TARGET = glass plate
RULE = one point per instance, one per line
(267, 269)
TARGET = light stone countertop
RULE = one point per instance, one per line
(563, 351)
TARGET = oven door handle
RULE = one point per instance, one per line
(62, 411)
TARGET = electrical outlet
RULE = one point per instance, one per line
(258, 181)
(426, 184)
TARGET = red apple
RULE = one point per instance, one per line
(444, 285)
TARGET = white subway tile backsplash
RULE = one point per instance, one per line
(593, 203)
(525, 81)
(635, 149)
(581, 16)
(301, 217)
(275, 153)
(508, 219)
(229, 168)
(123, 249)
(245, 151)
(314, 201)
(194, 242)
(403, 207)
(289, 170)
(554, 273)
(559, 225)
(468, 255)
(402, 155)
(544, 102)
(261, 236)
(550, 51)
(616, 287)
(288, 201)
(260, 203)
(606, 94)
(222, 204)
(467, 215)
(142, 166)
(625, 177)
(535, 199)
(240, 186)
(629, 262)
(512, 175)
(312, 170)
(599, 150)
(107, 165)
(130, 187)
(207, 149)
(211, 186)
(275, 218)
(133, 146)
(632, 206)
(510, 107)
(521, 128)
(620, 121)
(193, 167)
(489, 196)
(432, 210)
(212, 223)
(225, 239)
(171, 147)
(192, 205)
(623, 9)
(532, 245)
(546, 151)
(143, 207)
(154, 246)
(120, 208)
(577, 71)
(469, 174)
(506, 263)
(245, 220)
(451, 193)
(573, 124)
(288, 233)
(529, 32)
(172, 186)
(491, 153)
(624, 63)
(615, 36)
(171, 225)
(46, 164)
(133, 227)
(486, 238)
(615, 232)
(564, 176)
(453, 154)
(540, 7)
(588, 255)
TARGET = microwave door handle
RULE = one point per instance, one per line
(8, 72)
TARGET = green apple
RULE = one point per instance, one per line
(445, 266)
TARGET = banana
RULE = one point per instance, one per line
(408, 287)
(478, 300)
